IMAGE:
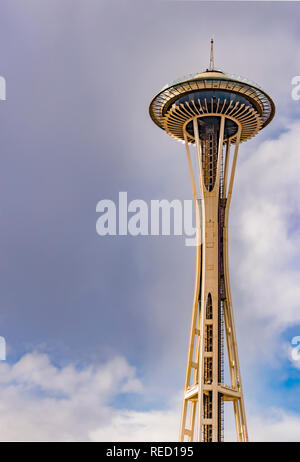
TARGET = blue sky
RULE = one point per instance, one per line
(104, 321)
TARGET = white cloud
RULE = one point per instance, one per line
(275, 426)
(270, 425)
(140, 426)
(41, 402)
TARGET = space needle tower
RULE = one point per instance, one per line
(212, 113)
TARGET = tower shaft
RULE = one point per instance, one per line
(212, 318)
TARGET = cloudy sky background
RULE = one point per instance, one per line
(97, 327)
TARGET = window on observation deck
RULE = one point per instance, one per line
(215, 99)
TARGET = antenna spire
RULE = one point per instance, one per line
(211, 61)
